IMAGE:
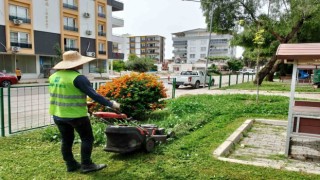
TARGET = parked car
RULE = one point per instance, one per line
(6, 79)
(190, 78)
(247, 71)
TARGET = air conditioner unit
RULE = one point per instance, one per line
(91, 54)
(88, 32)
(17, 21)
(86, 15)
(15, 48)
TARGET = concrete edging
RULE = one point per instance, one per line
(234, 138)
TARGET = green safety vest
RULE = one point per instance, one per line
(66, 101)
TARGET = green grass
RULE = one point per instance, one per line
(201, 123)
(273, 86)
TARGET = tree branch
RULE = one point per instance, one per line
(296, 28)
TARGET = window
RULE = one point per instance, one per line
(203, 49)
(202, 55)
(192, 49)
(70, 24)
(100, 28)
(101, 9)
(70, 2)
(71, 43)
(101, 47)
(20, 39)
(192, 55)
(18, 11)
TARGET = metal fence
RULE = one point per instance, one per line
(24, 108)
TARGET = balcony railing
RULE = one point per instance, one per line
(102, 15)
(101, 33)
(71, 28)
(22, 45)
(102, 52)
(25, 20)
(69, 6)
(71, 49)
(117, 56)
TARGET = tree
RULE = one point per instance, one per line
(235, 64)
(119, 65)
(137, 64)
(282, 20)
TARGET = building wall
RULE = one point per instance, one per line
(46, 31)
(46, 16)
(190, 46)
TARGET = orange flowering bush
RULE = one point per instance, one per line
(138, 94)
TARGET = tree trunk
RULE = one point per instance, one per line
(273, 70)
(265, 70)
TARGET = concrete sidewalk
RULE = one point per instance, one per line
(264, 145)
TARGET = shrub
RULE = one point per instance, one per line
(138, 94)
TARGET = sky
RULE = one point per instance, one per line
(159, 17)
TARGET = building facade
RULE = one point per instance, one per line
(192, 46)
(151, 46)
(34, 33)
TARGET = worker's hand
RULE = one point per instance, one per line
(115, 105)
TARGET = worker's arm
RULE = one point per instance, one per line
(82, 83)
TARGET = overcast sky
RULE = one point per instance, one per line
(159, 17)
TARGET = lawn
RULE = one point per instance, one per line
(274, 86)
(201, 124)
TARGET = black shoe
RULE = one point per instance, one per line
(92, 167)
(73, 167)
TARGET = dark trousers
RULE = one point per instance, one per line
(84, 129)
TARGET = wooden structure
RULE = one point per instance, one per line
(303, 116)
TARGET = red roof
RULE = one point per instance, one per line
(301, 51)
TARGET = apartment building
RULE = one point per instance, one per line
(191, 47)
(33, 33)
(151, 46)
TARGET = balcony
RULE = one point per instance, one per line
(102, 15)
(100, 33)
(70, 28)
(116, 56)
(102, 52)
(71, 49)
(117, 22)
(116, 5)
(70, 6)
(180, 43)
(22, 45)
(25, 20)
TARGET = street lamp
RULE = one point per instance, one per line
(208, 52)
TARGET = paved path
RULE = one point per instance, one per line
(264, 145)
(186, 91)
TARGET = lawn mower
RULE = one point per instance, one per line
(123, 138)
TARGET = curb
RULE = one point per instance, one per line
(234, 138)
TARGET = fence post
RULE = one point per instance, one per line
(9, 109)
(242, 78)
(210, 82)
(173, 88)
(229, 79)
(220, 81)
(2, 113)
(237, 79)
